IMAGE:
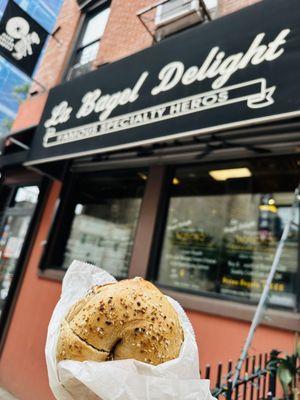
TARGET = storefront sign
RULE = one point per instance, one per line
(21, 38)
(238, 70)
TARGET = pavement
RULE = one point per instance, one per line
(4, 395)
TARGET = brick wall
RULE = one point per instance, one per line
(230, 6)
(124, 34)
(58, 49)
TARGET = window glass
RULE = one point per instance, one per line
(94, 27)
(221, 235)
(105, 210)
(89, 41)
(27, 196)
(13, 229)
(87, 54)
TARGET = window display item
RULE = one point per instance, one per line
(15, 220)
(221, 236)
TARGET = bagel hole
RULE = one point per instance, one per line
(111, 355)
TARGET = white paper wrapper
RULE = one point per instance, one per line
(119, 380)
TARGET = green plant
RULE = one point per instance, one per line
(20, 92)
(287, 369)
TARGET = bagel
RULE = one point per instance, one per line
(123, 320)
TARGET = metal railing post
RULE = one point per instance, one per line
(229, 390)
(272, 379)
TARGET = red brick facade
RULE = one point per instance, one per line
(124, 35)
(59, 48)
(30, 112)
(230, 6)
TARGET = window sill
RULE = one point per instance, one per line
(287, 320)
(51, 274)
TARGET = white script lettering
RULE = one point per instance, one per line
(218, 65)
(60, 114)
(94, 101)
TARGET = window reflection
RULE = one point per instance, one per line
(27, 196)
(13, 229)
(100, 222)
(95, 26)
(103, 234)
(221, 236)
(89, 41)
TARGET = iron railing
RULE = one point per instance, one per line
(256, 381)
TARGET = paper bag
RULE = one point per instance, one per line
(124, 379)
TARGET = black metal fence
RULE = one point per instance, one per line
(256, 382)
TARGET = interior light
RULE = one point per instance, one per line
(175, 181)
(271, 202)
(233, 173)
(78, 209)
(181, 273)
(142, 176)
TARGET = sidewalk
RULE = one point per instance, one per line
(4, 395)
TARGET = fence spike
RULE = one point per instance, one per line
(207, 371)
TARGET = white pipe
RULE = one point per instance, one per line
(264, 296)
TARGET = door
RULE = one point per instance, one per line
(16, 215)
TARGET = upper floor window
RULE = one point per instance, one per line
(88, 42)
(175, 15)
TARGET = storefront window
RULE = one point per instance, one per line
(13, 229)
(222, 232)
(103, 213)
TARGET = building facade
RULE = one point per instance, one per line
(199, 214)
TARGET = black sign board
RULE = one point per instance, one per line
(21, 38)
(238, 70)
